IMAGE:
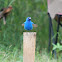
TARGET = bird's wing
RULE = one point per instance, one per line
(23, 24)
(7, 10)
(4, 12)
(34, 25)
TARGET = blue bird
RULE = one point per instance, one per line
(28, 24)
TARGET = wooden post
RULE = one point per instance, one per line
(29, 41)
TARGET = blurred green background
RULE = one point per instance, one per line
(11, 34)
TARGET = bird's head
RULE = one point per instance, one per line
(10, 7)
(28, 19)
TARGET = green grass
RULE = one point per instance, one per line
(11, 56)
(16, 55)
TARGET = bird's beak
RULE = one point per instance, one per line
(30, 18)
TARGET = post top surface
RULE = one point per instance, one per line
(29, 33)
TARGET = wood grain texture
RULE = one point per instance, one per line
(29, 41)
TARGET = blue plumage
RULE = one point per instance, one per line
(28, 25)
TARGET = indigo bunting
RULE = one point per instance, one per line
(28, 24)
(4, 12)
